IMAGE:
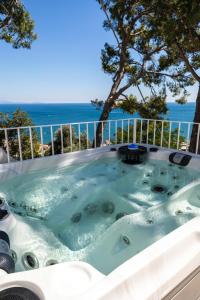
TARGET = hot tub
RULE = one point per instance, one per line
(92, 207)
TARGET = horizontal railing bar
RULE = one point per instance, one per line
(63, 124)
(165, 120)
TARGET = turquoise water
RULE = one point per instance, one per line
(65, 113)
(102, 212)
(43, 114)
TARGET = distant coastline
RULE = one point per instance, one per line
(73, 102)
(56, 113)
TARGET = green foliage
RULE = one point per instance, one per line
(142, 56)
(176, 24)
(16, 24)
(110, 59)
(67, 141)
(151, 108)
(18, 119)
(97, 103)
(181, 100)
(149, 139)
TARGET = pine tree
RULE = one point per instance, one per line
(16, 24)
(136, 59)
(176, 23)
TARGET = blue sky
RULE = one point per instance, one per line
(64, 63)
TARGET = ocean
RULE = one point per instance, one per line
(43, 114)
(50, 114)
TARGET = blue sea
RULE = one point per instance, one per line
(43, 114)
(49, 114)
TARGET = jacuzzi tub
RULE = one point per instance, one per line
(92, 207)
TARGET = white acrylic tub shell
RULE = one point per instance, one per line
(62, 160)
(154, 272)
(62, 281)
(149, 275)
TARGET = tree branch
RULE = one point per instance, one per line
(125, 96)
(157, 49)
(109, 21)
(128, 85)
(121, 45)
(186, 60)
(143, 99)
(5, 22)
(173, 76)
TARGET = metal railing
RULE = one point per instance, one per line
(30, 142)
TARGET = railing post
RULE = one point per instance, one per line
(147, 141)
(161, 137)
(41, 140)
(31, 142)
(188, 138)
(141, 131)
(61, 138)
(70, 130)
(79, 136)
(52, 140)
(102, 137)
(19, 141)
(170, 132)
(95, 134)
(109, 132)
(87, 134)
(128, 138)
(178, 138)
(116, 132)
(135, 131)
(197, 142)
(154, 132)
(7, 145)
(122, 131)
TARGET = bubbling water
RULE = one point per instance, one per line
(102, 212)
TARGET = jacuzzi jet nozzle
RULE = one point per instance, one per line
(14, 256)
(30, 261)
(159, 189)
(125, 239)
(51, 262)
(6, 261)
(3, 214)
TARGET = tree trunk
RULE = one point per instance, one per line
(104, 117)
(193, 141)
(114, 94)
